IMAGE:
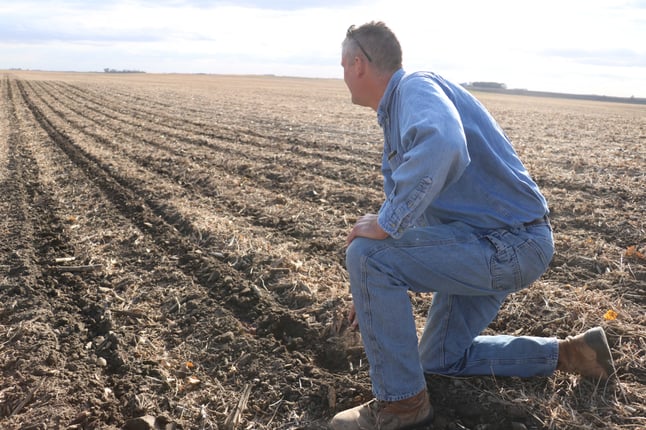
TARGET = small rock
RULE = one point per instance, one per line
(101, 362)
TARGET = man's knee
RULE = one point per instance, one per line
(434, 367)
(437, 360)
(356, 251)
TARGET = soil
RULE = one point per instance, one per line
(172, 255)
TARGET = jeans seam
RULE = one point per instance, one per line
(445, 332)
(372, 338)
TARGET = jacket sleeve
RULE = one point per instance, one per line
(431, 154)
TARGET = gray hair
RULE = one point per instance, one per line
(377, 43)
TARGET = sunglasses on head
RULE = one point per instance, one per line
(350, 35)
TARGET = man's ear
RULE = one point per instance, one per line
(360, 66)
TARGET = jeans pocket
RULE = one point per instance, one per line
(515, 266)
(532, 261)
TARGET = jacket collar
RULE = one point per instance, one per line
(384, 104)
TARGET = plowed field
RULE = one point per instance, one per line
(172, 247)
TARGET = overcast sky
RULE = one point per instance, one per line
(575, 46)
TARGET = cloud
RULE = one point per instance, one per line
(33, 22)
(285, 5)
(241, 25)
(31, 33)
(530, 45)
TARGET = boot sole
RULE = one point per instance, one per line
(596, 339)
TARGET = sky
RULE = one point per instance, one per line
(574, 46)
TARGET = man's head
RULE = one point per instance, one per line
(370, 55)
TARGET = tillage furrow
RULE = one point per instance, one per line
(259, 143)
(30, 222)
(199, 172)
(154, 218)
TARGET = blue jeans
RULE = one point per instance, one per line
(470, 272)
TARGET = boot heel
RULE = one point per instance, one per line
(596, 339)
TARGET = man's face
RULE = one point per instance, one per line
(349, 64)
(346, 72)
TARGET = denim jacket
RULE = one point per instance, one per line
(446, 159)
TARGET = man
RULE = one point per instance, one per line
(463, 219)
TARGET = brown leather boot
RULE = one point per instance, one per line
(587, 354)
(404, 414)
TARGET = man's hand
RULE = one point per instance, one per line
(352, 318)
(366, 226)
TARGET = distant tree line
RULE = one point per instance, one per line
(496, 87)
(490, 85)
(108, 70)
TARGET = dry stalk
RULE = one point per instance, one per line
(27, 398)
(233, 419)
